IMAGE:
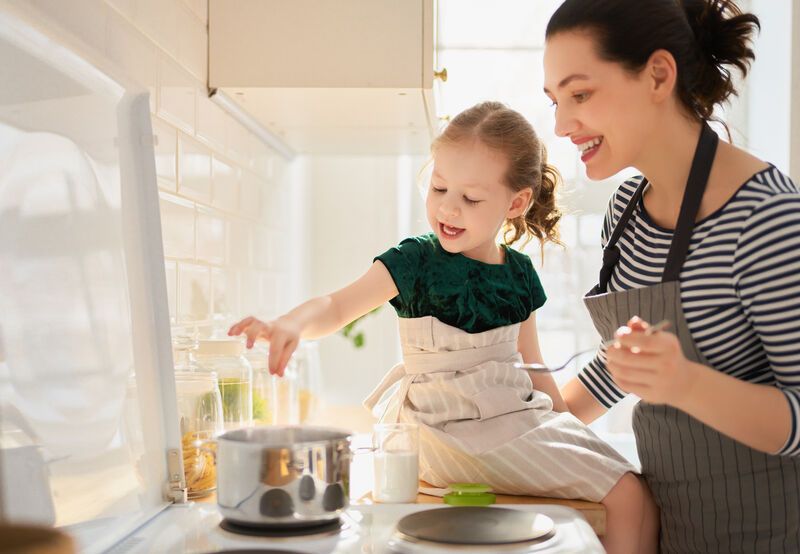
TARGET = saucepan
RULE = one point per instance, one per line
(283, 476)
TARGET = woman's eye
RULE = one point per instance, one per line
(471, 201)
(581, 97)
(435, 189)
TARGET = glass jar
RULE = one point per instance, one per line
(286, 396)
(225, 357)
(263, 384)
(200, 412)
(184, 348)
(309, 380)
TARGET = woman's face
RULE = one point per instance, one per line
(601, 107)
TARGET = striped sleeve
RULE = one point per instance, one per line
(767, 279)
(598, 381)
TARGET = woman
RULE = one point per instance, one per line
(709, 239)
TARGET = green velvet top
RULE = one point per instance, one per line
(465, 293)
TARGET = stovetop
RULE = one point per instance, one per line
(194, 528)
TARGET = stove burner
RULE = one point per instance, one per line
(259, 551)
(476, 526)
(283, 531)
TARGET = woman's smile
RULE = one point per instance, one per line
(588, 147)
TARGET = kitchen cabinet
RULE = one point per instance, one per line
(329, 77)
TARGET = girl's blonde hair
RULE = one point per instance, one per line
(505, 130)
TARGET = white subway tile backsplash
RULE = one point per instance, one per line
(177, 94)
(237, 138)
(177, 227)
(274, 202)
(194, 169)
(159, 21)
(211, 239)
(270, 294)
(212, 123)
(225, 284)
(86, 20)
(225, 185)
(240, 243)
(166, 143)
(133, 53)
(264, 247)
(250, 293)
(192, 43)
(251, 193)
(194, 293)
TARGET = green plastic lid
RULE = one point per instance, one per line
(469, 494)
(469, 488)
(477, 499)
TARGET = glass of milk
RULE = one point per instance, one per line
(395, 459)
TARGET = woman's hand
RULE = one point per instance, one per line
(283, 336)
(652, 367)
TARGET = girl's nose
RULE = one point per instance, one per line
(447, 209)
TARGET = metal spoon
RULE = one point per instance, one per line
(541, 368)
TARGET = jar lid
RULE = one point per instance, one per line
(220, 347)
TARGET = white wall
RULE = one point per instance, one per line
(227, 201)
(359, 206)
(772, 97)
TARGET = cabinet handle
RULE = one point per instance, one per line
(441, 75)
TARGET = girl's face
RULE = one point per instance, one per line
(468, 200)
(601, 107)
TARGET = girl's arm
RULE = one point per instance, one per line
(319, 316)
(528, 346)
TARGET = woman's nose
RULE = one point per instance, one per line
(565, 123)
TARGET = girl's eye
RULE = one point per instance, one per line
(471, 201)
(435, 189)
(581, 97)
(553, 104)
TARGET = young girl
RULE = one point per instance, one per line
(466, 309)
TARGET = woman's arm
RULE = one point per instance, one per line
(580, 401)
(319, 316)
(654, 368)
(528, 345)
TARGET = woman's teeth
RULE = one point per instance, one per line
(589, 144)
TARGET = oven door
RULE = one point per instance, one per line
(87, 398)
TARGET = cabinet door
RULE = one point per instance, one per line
(321, 43)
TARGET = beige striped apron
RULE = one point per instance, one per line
(481, 420)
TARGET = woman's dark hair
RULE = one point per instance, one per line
(704, 37)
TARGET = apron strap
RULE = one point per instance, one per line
(692, 197)
(690, 205)
(611, 251)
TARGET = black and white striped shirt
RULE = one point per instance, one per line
(740, 285)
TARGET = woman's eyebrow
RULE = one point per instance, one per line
(567, 80)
